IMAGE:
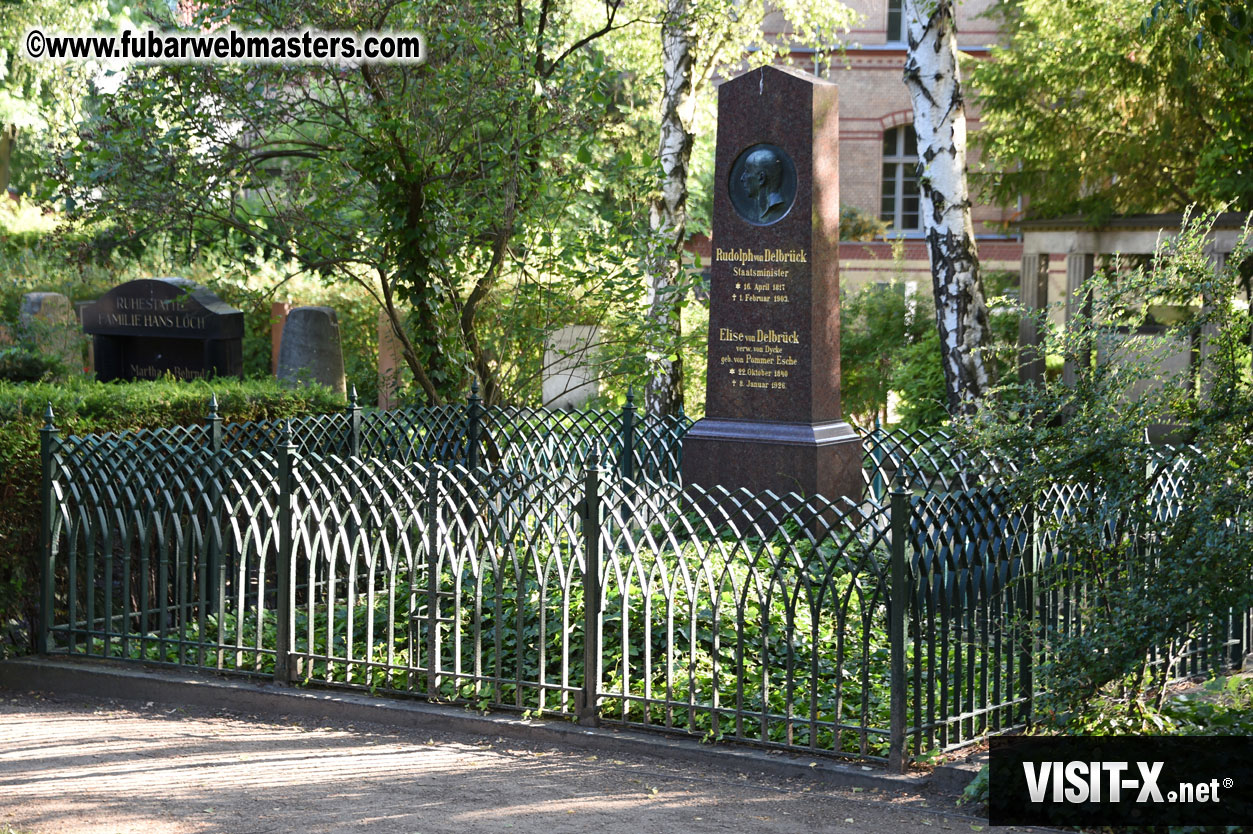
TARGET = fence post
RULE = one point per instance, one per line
(1026, 660)
(286, 550)
(898, 606)
(354, 424)
(589, 511)
(217, 565)
(626, 459)
(674, 444)
(432, 581)
(48, 437)
(473, 413)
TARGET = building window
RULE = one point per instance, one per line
(895, 27)
(899, 203)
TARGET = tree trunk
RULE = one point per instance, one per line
(668, 218)
(934, 82)
(8, 138)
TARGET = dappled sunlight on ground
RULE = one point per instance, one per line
(77, 766)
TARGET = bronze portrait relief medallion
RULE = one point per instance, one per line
(762, 184)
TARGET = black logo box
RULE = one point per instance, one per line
(1216, 769)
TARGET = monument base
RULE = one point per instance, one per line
(809, 459)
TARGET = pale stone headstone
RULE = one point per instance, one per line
(569, 375)
(48, 320)
(311, 350)
(1161, 357)
(391, 360)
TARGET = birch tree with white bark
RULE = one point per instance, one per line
(933, 77)
(668, 215)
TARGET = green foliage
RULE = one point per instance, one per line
(21, 364)
(486, 198)
(919, 379)
(81, 407)
(976, 793)
(1221, 707)
(1157, 537)
(889, 344)
(39, 97)
(856, 224)
(1092, 108)
(879, 324)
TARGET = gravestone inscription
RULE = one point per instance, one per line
(773, 386)
(148, 328)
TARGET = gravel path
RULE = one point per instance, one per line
(74, 765)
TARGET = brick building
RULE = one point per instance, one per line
(877, 152)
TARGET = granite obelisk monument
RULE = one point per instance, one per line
(772, 401)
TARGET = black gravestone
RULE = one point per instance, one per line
(148, 328)
(772, 400)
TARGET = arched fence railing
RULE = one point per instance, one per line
(362, 551)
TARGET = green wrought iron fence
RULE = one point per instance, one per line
(934, 459)
(360, 551)
(475, 436)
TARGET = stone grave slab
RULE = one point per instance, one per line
(152, 327)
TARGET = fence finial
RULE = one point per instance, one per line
(213, 406)
(352, 397)
(285, 437)
(474, 388)
(902, 480)
(49, 423)
(630, 396)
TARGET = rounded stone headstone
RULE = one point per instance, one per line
(49, 320)
(311, 351)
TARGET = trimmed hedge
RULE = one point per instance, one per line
(83, 406)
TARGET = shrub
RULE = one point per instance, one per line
(82, 406)
(20, 364)
(1157, 538)
(889, 343)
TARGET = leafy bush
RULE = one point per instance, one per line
(889, 343)
(81, 406)
(919, 380)
(1156, 540)
(21, 364)
(1221, 707)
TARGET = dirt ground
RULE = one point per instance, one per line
(72, 765)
